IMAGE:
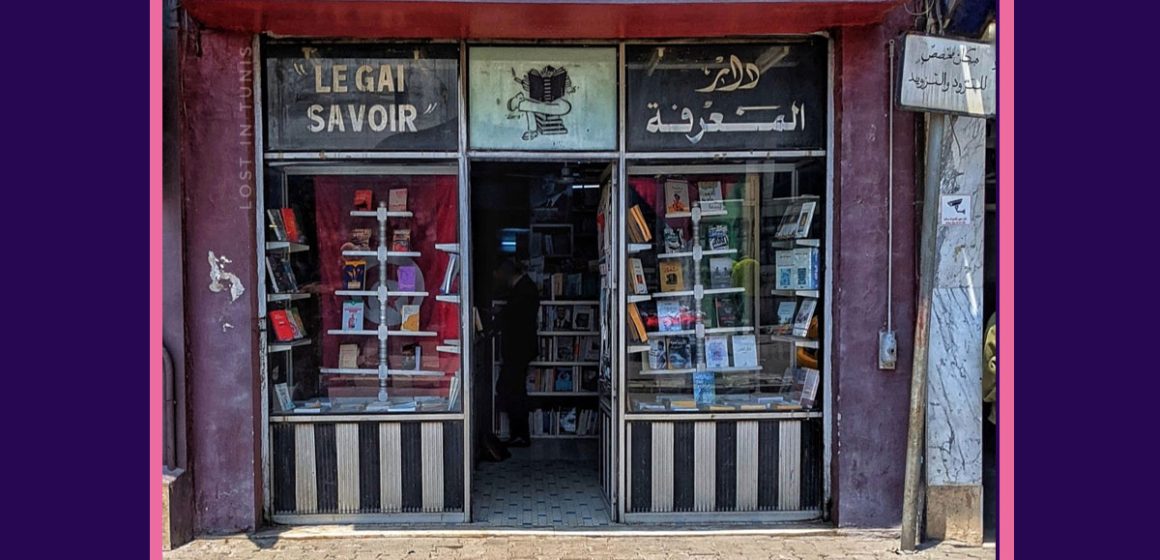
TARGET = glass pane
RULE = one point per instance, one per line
(724, 278)
(362, 291)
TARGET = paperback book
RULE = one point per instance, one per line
(636, 324)
(285, 403)
(718, 237)
(805, 219)
(744, 350)
(408, 278)
(284, 329)
(274, 215)
(293, 231)
(591, 349)
(410, 315)
(563, 380)
(710, 196)
(669, 314)
(348, 355)
(397, 200)
(676, 196)
(450, 274)
(281, 274)
(785, 309)
(565, 348)
(716, 352)
(658, 357)
(353, 314)
(364, 199)
(787, 228)
(785, 277)
(721, 272)
(704, 387)
(360, 239)
(805, 314)
(726, 308)
(672, 275)
(582, 319)
(401, 241)
(354, 274)
(675, 240)
(639, 285)
(805, 264)
(680, 352)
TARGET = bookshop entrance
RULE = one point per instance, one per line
(543, 288)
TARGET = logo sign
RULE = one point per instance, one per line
(362, 97)
(535, 98)
(727, 97)
(955, 209)
(948, 76)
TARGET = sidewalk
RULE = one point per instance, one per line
(804, 545)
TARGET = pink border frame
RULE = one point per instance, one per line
(1006, 208)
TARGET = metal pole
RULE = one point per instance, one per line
(912, 490)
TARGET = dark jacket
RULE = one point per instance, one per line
(518, 322)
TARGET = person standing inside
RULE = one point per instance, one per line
(518, 346)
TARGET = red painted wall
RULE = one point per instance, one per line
(222, 335)
(871, 413)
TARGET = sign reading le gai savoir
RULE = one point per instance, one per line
(754, 96)
(362, 97)
(948, 75)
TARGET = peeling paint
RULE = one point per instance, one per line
(226, 326)
(218, 275)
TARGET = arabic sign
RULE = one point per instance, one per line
(538, 98)
(362, 97)
(732, 96)
(948, 75)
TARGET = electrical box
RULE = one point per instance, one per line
(887, 350)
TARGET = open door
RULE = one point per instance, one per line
(608, 229)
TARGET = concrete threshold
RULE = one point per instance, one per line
(470, 531)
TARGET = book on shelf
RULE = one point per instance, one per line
(293, 230)
(727, 312)
(805, 219)
(354, 274)
(805, 264)
(589, 379)
(683, 405)
(284, 328)
(786, 309)
(561, 316)
(785, 277)
(565, 348)
(805, 386)
(636, 276)
(710, 196)
(636, 325)
(744, 350)
(669, 315)
(397, 200)
(568, 421)
(716, 352)
(573, 284)
(676, 196)
(281, 274)
(591, 349)
(546, 349)
(675, 239)
(582, 319)
(412, 356)
(410, 315)
(453, 392)
(353, 314)
(364, 199)
(563, 381)
(408, 278)
(348, 356)
(285, 403)
(296, 322)
(720, 272)
(787, 228)
(274, 215)
(638, 230)
(718, 237)
(672, 275)
(680, 352)
(704, 387)
(401, 240)
(450, 274)
(658, 354)
(360, 239)
(805, 313)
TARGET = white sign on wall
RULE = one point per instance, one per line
(948, 75)
(955, 209)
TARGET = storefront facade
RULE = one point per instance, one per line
(276, 116)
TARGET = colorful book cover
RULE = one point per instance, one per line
(672, 275)
(410, 318)
(704, 387)
(284, 330)
(716, 352)
(364, 199)
(563, 380)
(744, 350)
(805, 219)
(721, 272)
(726, 308)
(408, 278)
(638, 218)
(401, 240)
(276, 224)
(658, 354)
(293, 231)
(281, 274)
(676, 196)
(296, 322)
(638, 332)
(718, 237)
(353, 314)
(785, 277)
(786, 309)
(805, 265)
(354, 274)
(360, 238)
(680, 352)
(669, 314)
(639, 284)
(710, 196)
(397, 200)
(805, 313)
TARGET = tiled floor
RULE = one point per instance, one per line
(550, 485)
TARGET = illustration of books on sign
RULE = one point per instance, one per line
(542, 100)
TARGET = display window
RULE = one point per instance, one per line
(724, 278)
(362, 288)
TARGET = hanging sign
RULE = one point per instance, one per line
(541, 98)
(362, 97)
(727, 97)
(947, 76)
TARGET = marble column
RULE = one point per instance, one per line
(954, 408)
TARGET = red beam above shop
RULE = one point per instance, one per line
(533, 19)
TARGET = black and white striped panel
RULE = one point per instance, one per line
(724, 466)
(367, 467)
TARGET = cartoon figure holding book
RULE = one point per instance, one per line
(542, 100)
